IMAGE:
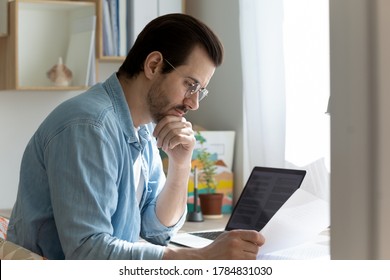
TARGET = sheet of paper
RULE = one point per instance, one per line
(317, 180)
(301, 219)
(317, 249)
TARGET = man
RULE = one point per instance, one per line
(91, 181)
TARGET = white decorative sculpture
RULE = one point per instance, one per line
(59, 74)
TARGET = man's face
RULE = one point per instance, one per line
(168, 94)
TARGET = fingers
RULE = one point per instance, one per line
(172, 131)
(235, 244)
(166, 120)
(248, 241)
(251, 236)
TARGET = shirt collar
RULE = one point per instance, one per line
(121, 108)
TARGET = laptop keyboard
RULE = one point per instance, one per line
(212, 235)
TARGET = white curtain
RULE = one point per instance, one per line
(264, 83)
(285, 60)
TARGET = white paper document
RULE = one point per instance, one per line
(299, 222)
(316, 249)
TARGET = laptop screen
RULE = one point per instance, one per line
(266, 190)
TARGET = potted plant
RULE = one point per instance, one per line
(210, 201)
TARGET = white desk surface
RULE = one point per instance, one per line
(317, 249)
(207, 224)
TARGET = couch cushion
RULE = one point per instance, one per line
(11, 251)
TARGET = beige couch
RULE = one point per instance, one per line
(12, 251)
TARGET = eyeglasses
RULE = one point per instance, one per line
(192, 87)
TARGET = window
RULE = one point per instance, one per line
(307, 85)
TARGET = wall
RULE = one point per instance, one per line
(21, 112)
(223, 107)
(360, 154)
(382, 195)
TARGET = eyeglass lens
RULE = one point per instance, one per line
(202, 92)
(195, 88)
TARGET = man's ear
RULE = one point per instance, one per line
(153, 64)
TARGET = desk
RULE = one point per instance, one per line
(313, 249)
(207, 224)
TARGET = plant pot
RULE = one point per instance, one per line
(211, 205)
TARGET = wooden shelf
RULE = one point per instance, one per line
(99, 36)
(39, 33)
(140, 12)
(112, 58)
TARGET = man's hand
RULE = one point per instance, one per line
(235, 245)
(176, 137)
(230, 245)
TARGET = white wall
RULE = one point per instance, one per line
(21, 112)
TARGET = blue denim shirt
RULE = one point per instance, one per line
(76, 197)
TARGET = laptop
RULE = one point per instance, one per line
(266, 190)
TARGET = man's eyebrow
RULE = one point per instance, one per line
(195, 80)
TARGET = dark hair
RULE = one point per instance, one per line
(175, 36)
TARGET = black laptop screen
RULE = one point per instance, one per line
(266, 190)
